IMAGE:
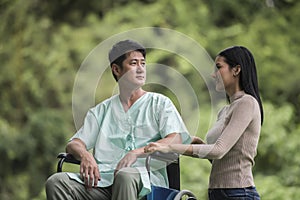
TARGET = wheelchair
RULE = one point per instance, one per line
(157, 193)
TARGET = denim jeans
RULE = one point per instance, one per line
(248, 193)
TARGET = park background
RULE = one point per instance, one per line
(43, 44)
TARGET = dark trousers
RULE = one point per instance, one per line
(248, 193)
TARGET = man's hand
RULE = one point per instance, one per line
(155, 146)
(132, 156)
(89, 171)
(127, 160)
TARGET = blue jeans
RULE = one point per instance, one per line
(248, 193)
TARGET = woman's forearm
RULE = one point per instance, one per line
(184, 149)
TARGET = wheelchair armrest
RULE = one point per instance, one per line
(66, 157)
(166, 157)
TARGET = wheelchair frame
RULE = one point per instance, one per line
(173, 171)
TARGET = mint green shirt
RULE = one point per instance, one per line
(112, 133)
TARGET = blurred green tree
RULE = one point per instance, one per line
(44, 42)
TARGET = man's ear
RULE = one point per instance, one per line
(236, 70)
(116, 69)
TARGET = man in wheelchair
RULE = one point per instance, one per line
(117, 130)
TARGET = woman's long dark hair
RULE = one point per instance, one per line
(239, 55)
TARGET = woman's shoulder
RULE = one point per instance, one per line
(246, 100)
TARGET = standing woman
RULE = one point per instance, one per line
(232, 141)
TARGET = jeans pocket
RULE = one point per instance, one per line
(237, 194)
(252, 193)
(233, 194)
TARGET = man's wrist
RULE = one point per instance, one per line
(138, 152)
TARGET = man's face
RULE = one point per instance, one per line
(133, 71)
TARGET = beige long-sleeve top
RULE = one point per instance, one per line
(232, 143)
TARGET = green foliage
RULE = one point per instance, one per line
(274, 132)
(43, 44)
(278, 145)
(270, 187)
(278, 158)
(195, 176)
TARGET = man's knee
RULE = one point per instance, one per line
(127, 175)
(53, 182)
(127, 183)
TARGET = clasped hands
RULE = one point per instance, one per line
(170, 147)
(155, 146)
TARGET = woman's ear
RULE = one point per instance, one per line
(236, 70)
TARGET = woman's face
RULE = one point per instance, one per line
(223, 75)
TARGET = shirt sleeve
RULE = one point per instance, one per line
(89, 131)
(241, 117)
(170, 121)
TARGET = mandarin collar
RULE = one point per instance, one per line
(236, 96)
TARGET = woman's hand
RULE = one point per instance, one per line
(155, 146)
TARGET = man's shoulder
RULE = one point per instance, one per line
(155, 95)
(105, 103)
(158, 100)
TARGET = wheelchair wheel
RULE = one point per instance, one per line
(185, 195)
